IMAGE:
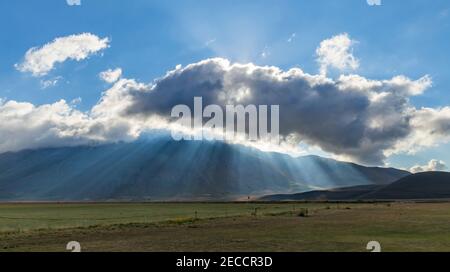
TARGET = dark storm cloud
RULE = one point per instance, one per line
(351, 116)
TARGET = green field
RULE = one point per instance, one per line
(225, 226)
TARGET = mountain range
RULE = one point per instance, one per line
(158, 168)
(427, 185)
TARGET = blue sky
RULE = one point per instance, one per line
(148, 38)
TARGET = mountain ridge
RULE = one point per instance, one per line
(158, 168)
(426, 185)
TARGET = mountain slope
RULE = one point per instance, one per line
(338, 194)
(159, 168)
(428, 185)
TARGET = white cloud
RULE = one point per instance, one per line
(374, 2)
(416, 87)
(76, 101)
(336, 52)
(433, 165)
(265, 53)
(27, 126)
(110, 75)
(292, 37)
(209, 42)
(73, 2)
(40, 61)
(24, 125)
(429, 127)
(50, 82)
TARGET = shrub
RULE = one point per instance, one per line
(303, 213)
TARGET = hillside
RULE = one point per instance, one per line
(158, 168)
(428, 185)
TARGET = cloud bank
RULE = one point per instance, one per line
(352, 117)
(39, 61)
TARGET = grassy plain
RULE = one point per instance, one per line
(225, 226)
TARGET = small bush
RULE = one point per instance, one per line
(303, 213)
(181, 221)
